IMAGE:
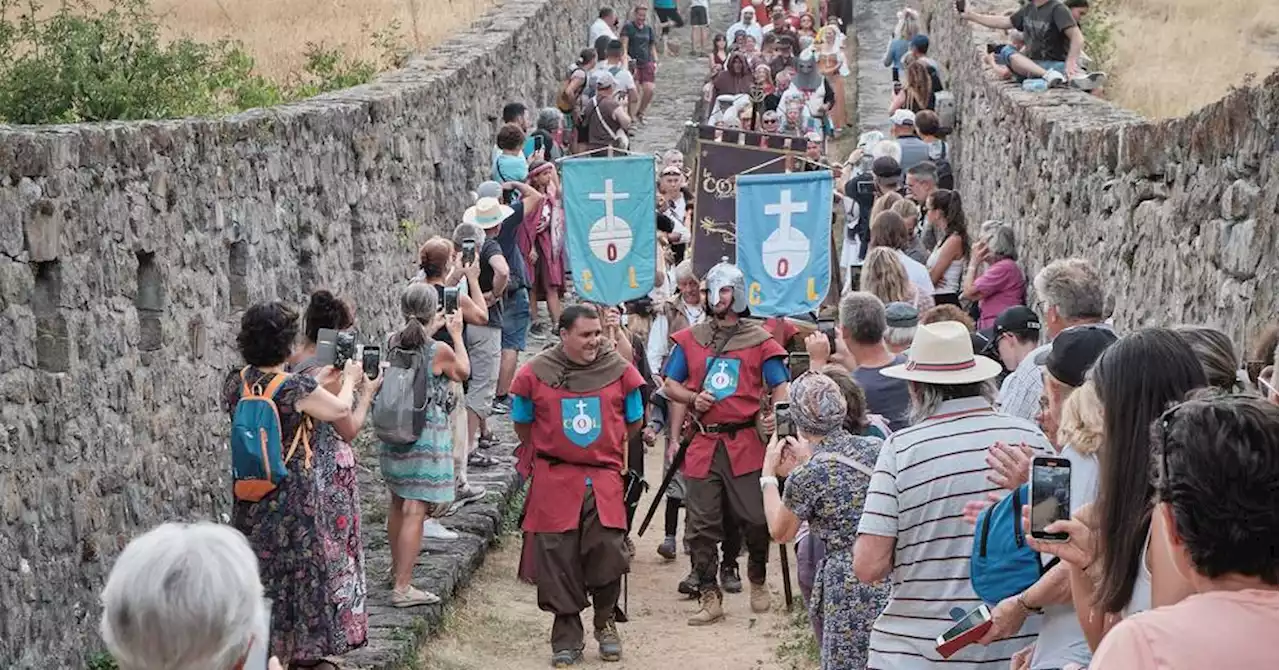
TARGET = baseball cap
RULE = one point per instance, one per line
(920, 43)
(489, 189)
(1074, 351)
(886, 168)
(904, 117)
(1017, 319)
(901, 315)
(601, 78)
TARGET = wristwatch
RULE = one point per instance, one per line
(766, 481)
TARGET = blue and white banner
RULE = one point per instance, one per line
(784, 240)
(610, 226)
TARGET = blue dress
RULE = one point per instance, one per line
(830, 496)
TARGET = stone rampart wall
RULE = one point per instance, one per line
(1180, 214)
(128, 252)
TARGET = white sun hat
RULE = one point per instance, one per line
(942, 353)
(487, 213)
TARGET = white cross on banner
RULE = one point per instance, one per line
(610, 227)
(783, 240)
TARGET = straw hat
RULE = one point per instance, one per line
(942, 353)
(487, 213)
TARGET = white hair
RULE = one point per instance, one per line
(684, 271)
(888, 148)
(183, 597)
(899, 337)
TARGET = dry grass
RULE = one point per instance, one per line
(276, 32)
(1175, 56)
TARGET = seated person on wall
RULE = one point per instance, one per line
(1054, 42)
(997, 56)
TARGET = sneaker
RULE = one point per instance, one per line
(761, 601)
(467, 493)
(501, 405)
(1089, 81)
(689, 585)
(610, 643)
(729, 579)
(413, 597)
(566, 658)
(667, 549)
(711, 609)
(1054, 78)
(433, 529)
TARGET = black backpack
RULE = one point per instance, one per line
(945, 178)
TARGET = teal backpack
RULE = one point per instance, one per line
(258, 459)
(1002, 564)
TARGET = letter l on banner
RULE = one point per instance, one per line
(611, 227)
(783, 244)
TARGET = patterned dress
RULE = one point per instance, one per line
(830, 496)
(424, 470)
(306, 535)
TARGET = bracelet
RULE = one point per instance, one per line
(1022, 602)
(766, 481)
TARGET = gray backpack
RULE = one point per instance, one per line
(399, 410)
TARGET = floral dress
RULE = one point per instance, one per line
(830, 496)
(306, 535)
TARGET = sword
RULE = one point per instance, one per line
(676, 462)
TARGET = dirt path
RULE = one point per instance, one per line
(498, 626)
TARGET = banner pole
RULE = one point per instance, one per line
(609, 149)
(771, 161)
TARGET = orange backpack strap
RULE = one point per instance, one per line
(276, 383)
(244, 383)
(303, 436)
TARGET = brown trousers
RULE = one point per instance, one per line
(707, 502)
(588, 559)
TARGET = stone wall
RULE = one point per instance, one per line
(129, 250)
(1181, 214)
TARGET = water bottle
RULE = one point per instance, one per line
(1035, 85)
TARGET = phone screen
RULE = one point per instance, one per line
(1050, 495)
(468, 252)
(371, 359)
(798, 361)
(782, 420)
(327, 346)
(450, 300)
(974, 618)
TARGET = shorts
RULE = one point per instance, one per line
(644, 73)
(483, 349)
(1006, 52)
(669, 15)
(515, 320)
(697, 16)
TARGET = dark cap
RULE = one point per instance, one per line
(901, 315)
(614, 45)
(1017, 319)
(886, 167)
(920, 43)
(1074, 351)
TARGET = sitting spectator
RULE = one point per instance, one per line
(888, 230)
(912, 526)
(945, 213)
(1054, 43)
(907, 28)
(828, 470)
(884, 276)
(918, 51)
(1215, 486)
(1216, 353)
(910, 213)
(914, 150)
(917, 94)
(994, 278)
(861, 333)
(997, 56)
(902, 320)
(185, 596)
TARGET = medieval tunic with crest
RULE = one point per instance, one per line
(732, 372)
(579, 416)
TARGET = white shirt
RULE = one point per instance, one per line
(1021, 390)
(917, 273)
(624, 83)
(923, 478)
(597, 29)
(658, 346)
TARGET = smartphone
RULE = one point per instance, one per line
(260, 649)
(451, 300)
(327, 346)
(782, 425)
(798, 361)
(537, 144)
(468, 252)
(371, 359)
(1050, 495)
(965, 632)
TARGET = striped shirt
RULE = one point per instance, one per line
(923, 478)
(1020, 393)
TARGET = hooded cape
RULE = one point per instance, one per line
(554, 368)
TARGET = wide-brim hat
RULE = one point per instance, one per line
(487, 213)
(942, 353)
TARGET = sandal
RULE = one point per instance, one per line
(413, 597)
(479, 460)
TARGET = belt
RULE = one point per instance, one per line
(726, 427)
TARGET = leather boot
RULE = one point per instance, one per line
(760, 599)
(711, 609)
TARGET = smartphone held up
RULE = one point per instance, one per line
(1050, 496)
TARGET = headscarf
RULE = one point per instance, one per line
(728, 83)
(817, 404)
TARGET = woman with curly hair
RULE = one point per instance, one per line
(290, 528)
(884, 277)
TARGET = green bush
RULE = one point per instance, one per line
(88, 64)
(1099, 35)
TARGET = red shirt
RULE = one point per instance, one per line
(576, 437)
(736, 379)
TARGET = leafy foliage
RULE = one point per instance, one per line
(86, 64)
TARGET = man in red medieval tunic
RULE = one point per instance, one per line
(722, 368)
(574, 409)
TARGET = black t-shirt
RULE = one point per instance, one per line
(1045, 28)
(638, 41)
(488, 250)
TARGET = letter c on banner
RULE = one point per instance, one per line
(753, 293)
(631, 277)
(586, 281)
(812, 288)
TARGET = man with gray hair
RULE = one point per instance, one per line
(862, 329)
(1069, 295)
(922, 181)
(913, 525)
(185, 596)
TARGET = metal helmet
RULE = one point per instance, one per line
(725, 274)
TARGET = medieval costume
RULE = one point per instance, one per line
(813, 89)
(833, 66)
(578, 417)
